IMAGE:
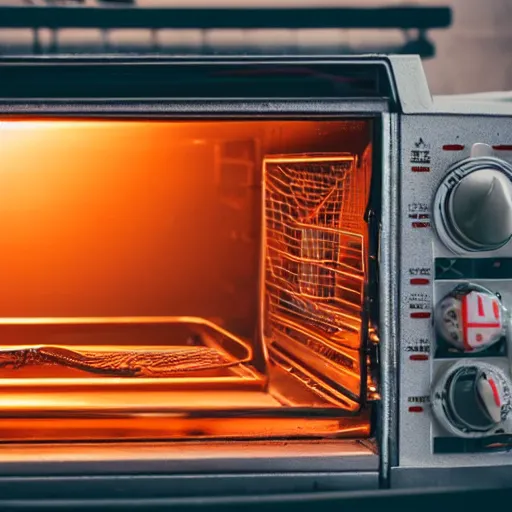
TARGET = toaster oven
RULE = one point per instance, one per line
(252, 275)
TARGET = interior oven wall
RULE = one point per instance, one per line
(124, 218)
(106, 219)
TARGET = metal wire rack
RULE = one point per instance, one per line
(315, 240)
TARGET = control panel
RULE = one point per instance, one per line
(456, 293)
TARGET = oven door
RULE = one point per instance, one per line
(333, 249)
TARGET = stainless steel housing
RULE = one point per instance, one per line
(406, 116)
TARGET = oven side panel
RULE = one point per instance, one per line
(430, 144)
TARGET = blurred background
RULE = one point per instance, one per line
(471, 53)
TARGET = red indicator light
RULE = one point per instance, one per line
(503, 147)
(420, 169)
(423, 216)
(453, 147)
(419, 357)
(421, 224)
(419, 281)
(420, 314)
(415, 408)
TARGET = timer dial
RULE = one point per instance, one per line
(471, 318)
(472, 399)
(473, 205)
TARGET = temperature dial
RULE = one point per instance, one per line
(472, 399)
(473, 205)
(471, 318)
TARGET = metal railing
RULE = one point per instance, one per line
(109, 16)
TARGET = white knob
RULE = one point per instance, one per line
(471, 318)
(490, 393)
(473, 205)
(472, 399)
(481, 209)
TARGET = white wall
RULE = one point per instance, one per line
(475, 54)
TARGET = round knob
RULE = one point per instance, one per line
(481, 209)
(474, 205)
(471, 318)
(472, 399)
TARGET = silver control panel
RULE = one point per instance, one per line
(455, 291)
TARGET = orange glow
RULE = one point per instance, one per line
(137, 287)
(170, 428)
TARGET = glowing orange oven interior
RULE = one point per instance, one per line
(166, 280)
